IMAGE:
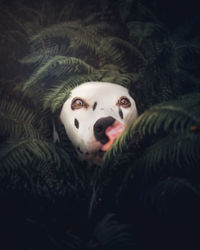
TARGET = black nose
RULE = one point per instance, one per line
(100, 127)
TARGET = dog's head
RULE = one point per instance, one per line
(94, 115)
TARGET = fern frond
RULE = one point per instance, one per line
(114, 73)
(140, 31)
(103, 29)
(59, 94)
(125, 79)
(19, 152)
(78, 38)
(20, 119)
(73, 33)
(41, 162)
(191, 47)
(116, 50)
(176, 153)
(42, 55)
(69, 64)
(179, 116)
(16, 35)
(175, 115)
(111, 235)
(178, 51)
(40, 178)
(66, 14)
(135, 10)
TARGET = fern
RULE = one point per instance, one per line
(116, 50)
(27, 144)
(67, 12)
(70, 65)
(172, 155)
(73, 33)
(176, 115)
(77, 37)
(124, 79)
(141, 31)
(39, 57)
(170, 134)
(178, 51)
(109, 234)
(20, 119)
(103, 28)
(18, 152)
(136, 52)
(135, 10)
(59, 94)
(53, 55)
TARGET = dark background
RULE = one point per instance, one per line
(172, 13)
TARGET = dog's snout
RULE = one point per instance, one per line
(100, 127)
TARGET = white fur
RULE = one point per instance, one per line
(106, 95)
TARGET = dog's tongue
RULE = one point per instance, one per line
(112, 133)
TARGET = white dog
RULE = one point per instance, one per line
(94, 115)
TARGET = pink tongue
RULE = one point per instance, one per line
(112, 133)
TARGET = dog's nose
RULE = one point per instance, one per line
(100, 127)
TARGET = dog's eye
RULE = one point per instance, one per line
(124, 102)
(77, 103)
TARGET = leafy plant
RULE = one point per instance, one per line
(64, 55)
(27, 149)
(109, 234)
(125, 44)
(163, 141)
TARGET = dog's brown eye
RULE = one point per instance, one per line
(77, 103)
(124, 102)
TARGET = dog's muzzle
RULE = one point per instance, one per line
(100, 127)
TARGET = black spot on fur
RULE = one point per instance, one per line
(76, 123)
(79, 150)
(121, 114)
(94, 106)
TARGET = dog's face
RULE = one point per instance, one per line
(95, 114)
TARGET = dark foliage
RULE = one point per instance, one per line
(146, 194)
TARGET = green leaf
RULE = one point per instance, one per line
(19, 118)
(71, 64)
(170, 132)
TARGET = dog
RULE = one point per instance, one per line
(94, 115)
